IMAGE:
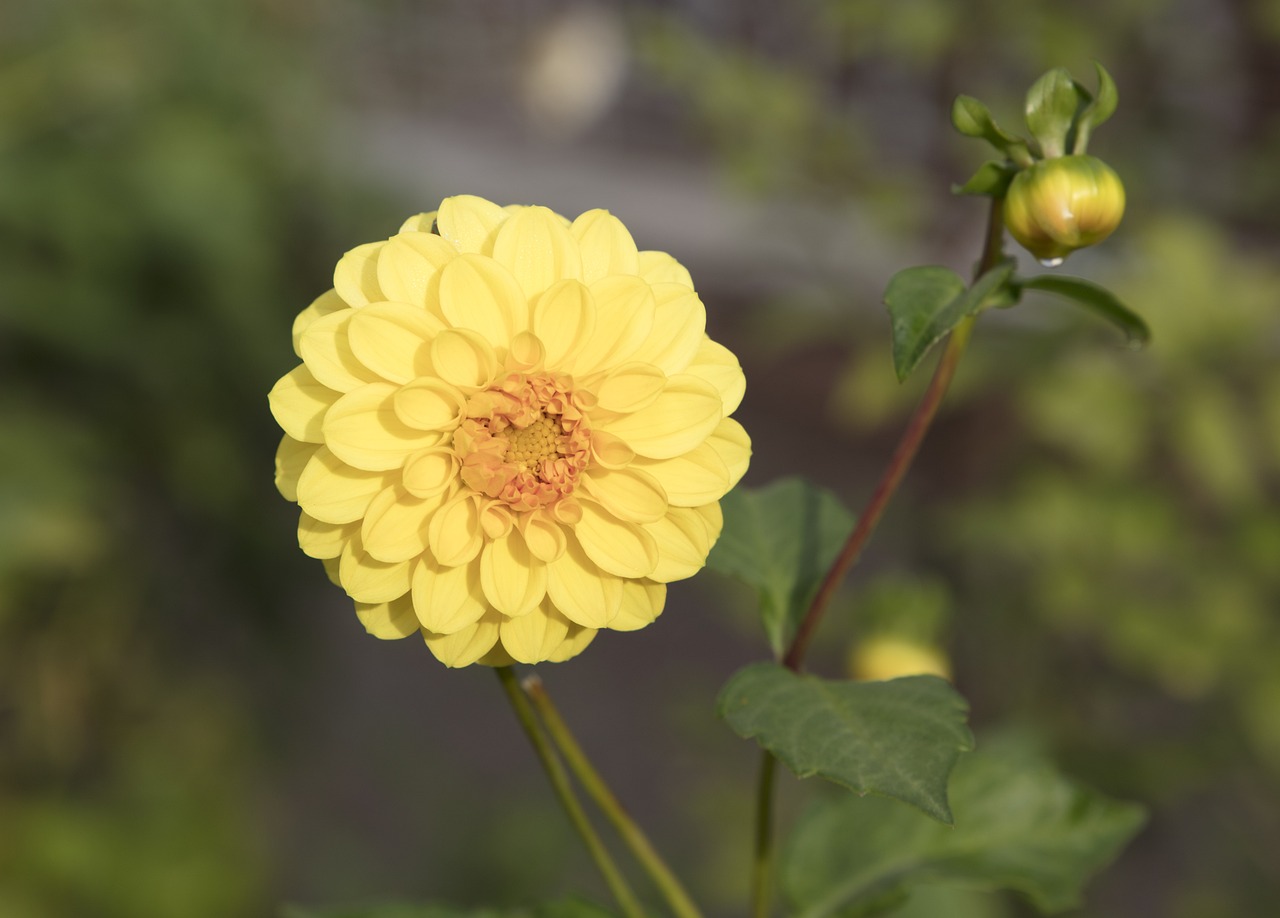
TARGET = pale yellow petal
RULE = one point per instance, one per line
(469, 222)
(629, 494)
(454, 532)
(534, 637)
(697, 477)
(464, 359)
(467, 645)
(366, 579)
(642, 602)
(535, 246)
(328, 355)
(683, 543)
(574, 643)
(292, 457)
(731, 442)
(326, 303)
(679, 328)
(606, 246)
(299, 403)
(564, 318)
(430, 404)
(420, 223)
(479, 294)
(712, 516)
(388, 620)
(356, 276)
(395, 525)
(394, 340)
(408, 264)
(661, 268)
(578, 588)
(717, 365)
(630, 387)
(514, 581)
(447, 599)
(617, 546)
(544, 536)
(430, 472)
(324, 540)
(624, 319)
(332, 491)
(609, 451)
(331, 565)
(684, 415)
(363, 430)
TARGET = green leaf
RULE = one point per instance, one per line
(1052, 103)
(1019, 824)
(971, 118)
(781, 539)
(898, 738)
(992, 179)
(1104, 103)
(1096, 299)
(926, 303)
(567, 908)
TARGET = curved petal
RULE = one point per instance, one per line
(395, 525)
(606, 246)
(610, 452)
(394, 340)
(574, 643)
(367, 579)
(469, 222)
(447, 599)
(617, 546)
(408, 264)
(694, 478)
(514, 581)
(532, 638)
(363, 430)
(327, 353)
(629, 494)
(684, 415)
(479, 294)
(332, 491)
(733, 445)
(454, 531)
(292, 457)
(717, 365)
(535, 246)
(642, 603)
(584, 593)
(328, 302)
(661, 268)
(463, 358)
(356, 276)
(299, 403)
(430, 472)
(430, 404)
(679, 328)
(630, 387)
(466, 645)
(563, 318)
(324, 540)
(544, 536)
(624, 319)
(388, 620)
(420, 223)
(683, 543)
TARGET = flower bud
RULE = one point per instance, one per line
(1059, 205)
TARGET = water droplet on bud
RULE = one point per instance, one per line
(1052, 262)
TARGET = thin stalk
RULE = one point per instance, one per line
(632, 835)
(762, 862)
(559, 778)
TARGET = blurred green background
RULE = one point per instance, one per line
(192, 722)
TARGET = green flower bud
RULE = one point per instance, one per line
(1063, 204)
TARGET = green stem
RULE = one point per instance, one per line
(559, 778)
(762, 862)
(634, 838)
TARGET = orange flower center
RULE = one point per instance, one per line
(524, 441)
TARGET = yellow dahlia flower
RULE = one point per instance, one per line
(508, 431)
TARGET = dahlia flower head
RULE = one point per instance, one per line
(508, 431)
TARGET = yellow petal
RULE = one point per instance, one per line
(332, 491)
(624, 319)
(584, 593)
(617, 546)
(394, 340)
(419, 223)
(683, 543)
(479, 294)
(367, 579)
(324, 540)
(544, 536)
(609, 451)
(388, 620)
(292, 457)
(466, 645)
(469, 222)
(606, 246)
(327, 353)
(430, 404)
(629, 494)
(564, 318)
(661, 268)
(363, 430)
(532, 638)
(716, 364)
(731, 442)
(395, 525)
(464, 359)
(712, 517)
(684, 415)
(642, 602)
(326, 303)
(447, 599)
(697, 477)
(514, 581)
(430, 472)
(331, 565)
(454, 532)
(574, 643)
(496, 657)
(299, 403)
(630, 387)
(535, 246)
(679, 328)
(407, 266)
(356, 276)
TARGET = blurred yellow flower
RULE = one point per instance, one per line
(508, 431)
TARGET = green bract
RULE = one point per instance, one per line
(1063, 204)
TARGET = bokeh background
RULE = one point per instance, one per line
(192, 722)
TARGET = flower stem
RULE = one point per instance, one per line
(762, 861)
(559, 778)
(634, 838)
